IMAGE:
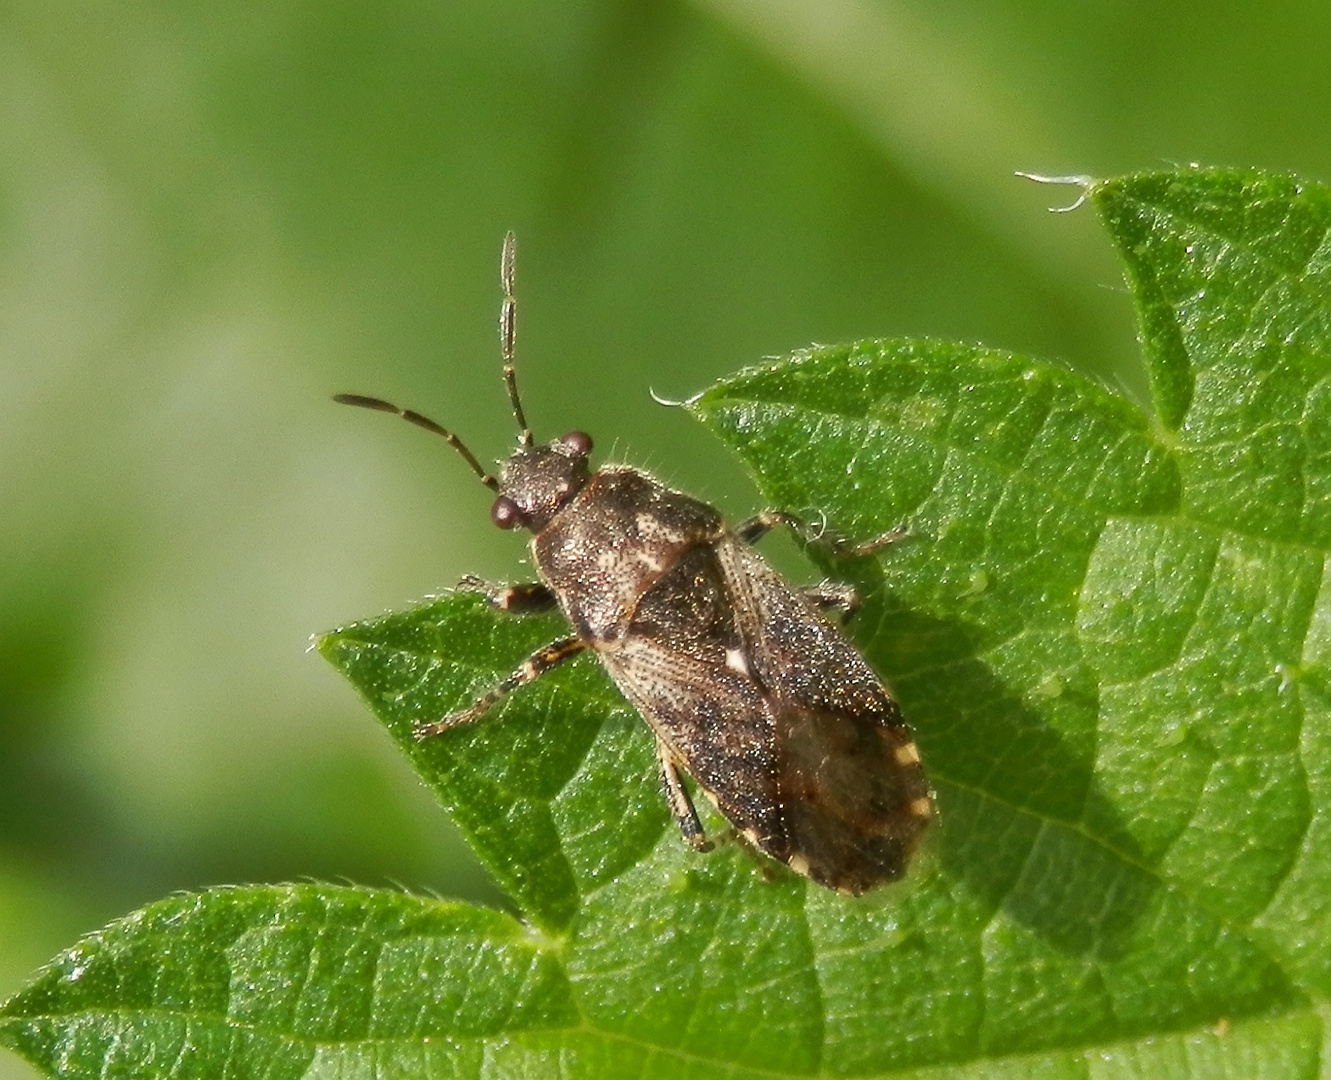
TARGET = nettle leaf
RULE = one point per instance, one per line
(1111, 632)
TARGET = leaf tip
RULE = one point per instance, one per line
(1088, 184)
(325, 644)
(682, 403)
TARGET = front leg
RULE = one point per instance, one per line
(536, 665)
(523, 599)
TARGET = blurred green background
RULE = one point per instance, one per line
(213, 216)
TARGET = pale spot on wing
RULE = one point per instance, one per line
(736, 662)
(922, 807)
(908, 754)
(800, 865)
(651, 560)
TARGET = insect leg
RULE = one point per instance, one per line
(681, 806)
(760, 524)
(833, 596)
(525, 599)
(536, 665)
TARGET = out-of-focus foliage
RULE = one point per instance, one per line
(213, 216)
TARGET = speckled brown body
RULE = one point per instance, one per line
(746, 687)
(744, 684)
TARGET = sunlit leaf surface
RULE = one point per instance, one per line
(1110, 631)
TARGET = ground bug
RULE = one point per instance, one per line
(742, 681)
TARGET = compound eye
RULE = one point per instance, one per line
(506, 513)
(577, 441)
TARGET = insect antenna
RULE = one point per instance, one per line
(412, 417)
(508, 314)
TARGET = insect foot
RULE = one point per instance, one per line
(743, 684)
(525, 599)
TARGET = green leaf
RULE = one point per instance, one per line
(1231, 273)
(557, 790)
(1111, 632)
(278, 981)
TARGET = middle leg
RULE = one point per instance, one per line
(677, 798)
(760, 524)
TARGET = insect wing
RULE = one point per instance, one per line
(678, 664)
(776, 716)
(854, 799)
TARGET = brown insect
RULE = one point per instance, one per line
(744, 684)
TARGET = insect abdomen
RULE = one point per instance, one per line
(776, 716)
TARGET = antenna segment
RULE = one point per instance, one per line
(508, 313)
(412, 417)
